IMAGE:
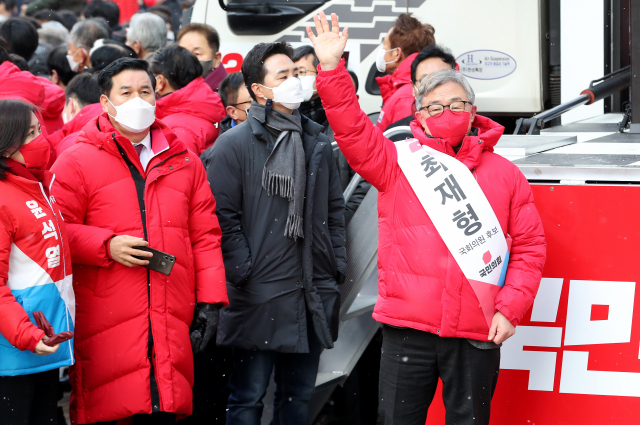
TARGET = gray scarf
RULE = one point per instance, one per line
(285, 171)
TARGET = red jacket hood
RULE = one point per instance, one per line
(390, 83)
(196, 99)
(489, 132)
(85, 115)
(16, 84)
(78, 122)
(54, 99)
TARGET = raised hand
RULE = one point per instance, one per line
(329, 44)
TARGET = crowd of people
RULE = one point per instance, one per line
(176, 235)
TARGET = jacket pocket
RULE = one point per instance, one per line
(102, 285)
(237, 266)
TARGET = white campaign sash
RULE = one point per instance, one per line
(462, 215)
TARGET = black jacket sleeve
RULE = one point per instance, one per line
(356, 199)
(225, 178)
(336, 224)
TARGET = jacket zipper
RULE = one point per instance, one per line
(143, 213)
(63, 255)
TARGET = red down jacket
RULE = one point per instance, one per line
(38, 91)
(397, 94)
(78, 122)
(194, 113)
(97, 195)
(420, 284)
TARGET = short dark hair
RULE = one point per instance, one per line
(15, 120)
(106, 9)
(207, 31)
(84, 89)
(178, 65)
(109, 52)
(69, 18)
(253, 69)
(4, 51)
(229, 87)
(58, 60)
(9, 4)
(433, 51)
(105, 78)
(19, 61)
(303, 52)
(21, 35)
(47, 15)
(411, 35)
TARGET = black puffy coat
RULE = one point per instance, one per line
(273, 281)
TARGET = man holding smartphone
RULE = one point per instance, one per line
(130, 182)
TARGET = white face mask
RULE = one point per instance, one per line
(65, 111)
(72, 63)
(288, 94)
(135, 115)
(380, 62)
(307, 86)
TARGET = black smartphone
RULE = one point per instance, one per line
(161, 262)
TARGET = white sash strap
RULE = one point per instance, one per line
(461, 214)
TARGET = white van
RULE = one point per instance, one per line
(501, 45)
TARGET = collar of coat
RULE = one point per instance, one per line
(488, 134)
(100, 133)
(309, 127)
(389, 84)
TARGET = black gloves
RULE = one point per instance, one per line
(205, 322)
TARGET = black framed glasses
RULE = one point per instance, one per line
(304, 72)
(457, 107)
(235, 105)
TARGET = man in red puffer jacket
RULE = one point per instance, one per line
(435, 324)
(186, 103)
(130, 182)
(400, 47)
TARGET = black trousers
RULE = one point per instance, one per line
(29, 399)
(212, 368)
(412, 361)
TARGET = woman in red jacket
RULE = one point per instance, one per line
(35, 273)
(435, 317)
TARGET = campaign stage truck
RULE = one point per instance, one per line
(536, 66)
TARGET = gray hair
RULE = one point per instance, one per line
(437, 78)
(85, 33)
(54, 35)
(149, 29)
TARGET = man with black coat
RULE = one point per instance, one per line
(281, 211)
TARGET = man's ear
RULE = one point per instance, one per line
(136, 48)
(257, 90)
(472, 116)
(232, 112)
(105, 103)
(86, 58)
(217, 60)
(160, 83)
(73, 107)
(400, 56)
(55, 79)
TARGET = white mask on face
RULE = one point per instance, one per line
(307, 86)
(380, 62)
(288, 94)
(72, 63)
(135, 115)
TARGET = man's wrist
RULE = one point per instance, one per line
(329, 66)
